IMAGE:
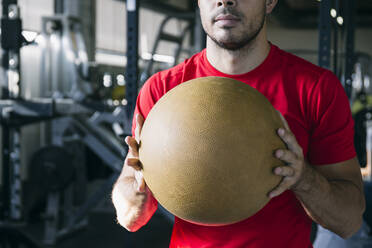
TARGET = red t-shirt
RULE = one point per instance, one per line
(313, 102)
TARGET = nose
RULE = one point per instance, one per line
(226, 3)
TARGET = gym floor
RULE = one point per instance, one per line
(103, 231)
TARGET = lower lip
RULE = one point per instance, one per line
(226, 23)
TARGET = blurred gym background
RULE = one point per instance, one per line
(70, 73)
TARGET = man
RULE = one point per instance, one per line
(321, 181)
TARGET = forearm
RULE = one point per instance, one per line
(337, 205)
(133, 208)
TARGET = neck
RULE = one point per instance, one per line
(239, 61)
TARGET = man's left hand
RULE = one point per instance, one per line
(293, 171)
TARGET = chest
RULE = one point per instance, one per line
(291, 103)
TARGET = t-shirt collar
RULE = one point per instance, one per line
(264, 67)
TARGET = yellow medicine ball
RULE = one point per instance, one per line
(207, 150)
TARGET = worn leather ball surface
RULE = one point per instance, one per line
(207, 150)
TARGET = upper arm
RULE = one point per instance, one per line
(348, 170)
(149, 94)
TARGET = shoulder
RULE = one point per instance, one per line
(299, 66)
(308, 76)
(163, 81)
(177, 72)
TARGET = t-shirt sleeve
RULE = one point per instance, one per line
(149, 94)
(332, 125)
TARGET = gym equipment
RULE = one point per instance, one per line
(207, 150)
(361, 108)
(363, 128)
(52, 167)
(170, 38)
(65, 64)
(60, 94)
(332, 34)
(11, 42)
(90, 133)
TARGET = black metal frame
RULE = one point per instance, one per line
(132, 70)
(349, 7)
(324, 59)
(58, 6)
(164, 8)
(11, 42)
(330, 30)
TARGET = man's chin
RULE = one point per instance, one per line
(229, 41)
(231, 46)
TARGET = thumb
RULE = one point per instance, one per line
(141, 185)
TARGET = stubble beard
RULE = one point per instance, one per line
(239, 42)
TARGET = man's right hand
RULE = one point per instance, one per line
(132, 199)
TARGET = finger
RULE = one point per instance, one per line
(134, 163)
(283, 186)
(288, 131)
(141, 185)
(139, 124)
(286, 136)
(286, 156)
(285, 171)
(133, 146)
(290, 140)
(285, 123)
